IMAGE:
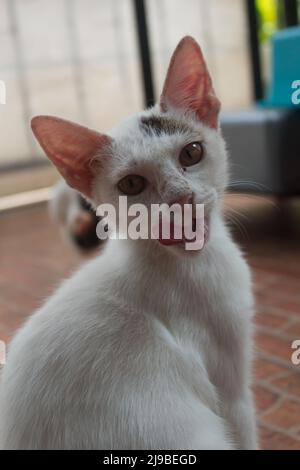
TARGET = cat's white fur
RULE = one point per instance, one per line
(146, 347)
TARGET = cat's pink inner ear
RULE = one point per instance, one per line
(188, 85)
(71, 148)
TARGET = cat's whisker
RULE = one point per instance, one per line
(249, 184)
(238, 213)
(235, 221)
(266, 199)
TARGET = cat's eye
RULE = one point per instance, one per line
(191, 154)
(132, 185)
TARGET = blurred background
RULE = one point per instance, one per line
(95, 62)
(81, 60)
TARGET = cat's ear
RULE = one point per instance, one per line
(71, 148)
(188, 85)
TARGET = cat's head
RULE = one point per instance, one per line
(171, 152)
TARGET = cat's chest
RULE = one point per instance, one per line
(210, 317)
(214, 336)
(206, 318)
(202, 302)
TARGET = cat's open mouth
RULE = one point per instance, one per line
(195, 235)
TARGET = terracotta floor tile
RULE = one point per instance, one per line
(285, 416)
(273, 440)
(264, 399)
(293, 330)
(292, 307)
(290, 383)
(287, 285)
(263, 318)
(265, 370)
(274, 346)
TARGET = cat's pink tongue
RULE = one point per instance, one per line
(176, 230)
(171, 240)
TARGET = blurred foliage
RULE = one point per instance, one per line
(271, 16)
(267, 18)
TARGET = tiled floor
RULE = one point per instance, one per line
(34, 259)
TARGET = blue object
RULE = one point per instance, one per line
(285, 69)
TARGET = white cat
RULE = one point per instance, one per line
(147, 346)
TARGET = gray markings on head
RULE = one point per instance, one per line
(162, 125)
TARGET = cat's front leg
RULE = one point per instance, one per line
(241, 415)
(238, 407)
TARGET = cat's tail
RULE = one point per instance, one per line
(75, 216)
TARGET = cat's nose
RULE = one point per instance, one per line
(186, 199)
